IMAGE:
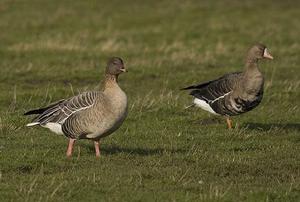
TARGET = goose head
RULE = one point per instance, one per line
(259, 51)
(115, 66)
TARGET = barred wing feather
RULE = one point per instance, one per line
(64, 109)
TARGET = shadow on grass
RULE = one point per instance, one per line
(269, 126)
(209, 121)
(111, 150)
(25, 169)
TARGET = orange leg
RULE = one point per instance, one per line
(97, 149)
(70, 147)
(229, 122)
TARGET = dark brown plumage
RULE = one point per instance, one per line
(234, 93)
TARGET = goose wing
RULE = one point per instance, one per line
(214, 90)
(60, 111)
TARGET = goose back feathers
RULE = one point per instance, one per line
(234, 93)
(90, 115)
(222, 97)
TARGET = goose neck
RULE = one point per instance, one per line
(110, 81)
(251, 63)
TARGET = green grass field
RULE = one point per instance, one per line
(53, 49)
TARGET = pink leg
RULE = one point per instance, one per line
(70, 147)
(97, 150)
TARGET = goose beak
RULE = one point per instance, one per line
(267, 55)
(123, 69)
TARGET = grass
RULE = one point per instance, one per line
(54, 49)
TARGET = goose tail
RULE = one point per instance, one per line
(32, 124)
(198, 86)
(35, 111)
(41, 110)
(188, 88)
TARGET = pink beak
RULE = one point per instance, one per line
(267, 54)
(123, 70)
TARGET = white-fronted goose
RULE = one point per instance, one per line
(234, 93)
(90, 115)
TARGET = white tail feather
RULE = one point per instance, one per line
(32, 124)
(204, 105)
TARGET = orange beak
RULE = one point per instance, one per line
(267, 55)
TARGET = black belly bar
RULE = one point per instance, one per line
(225, 107)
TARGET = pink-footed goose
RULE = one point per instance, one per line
(90, 115)
(234, 93)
